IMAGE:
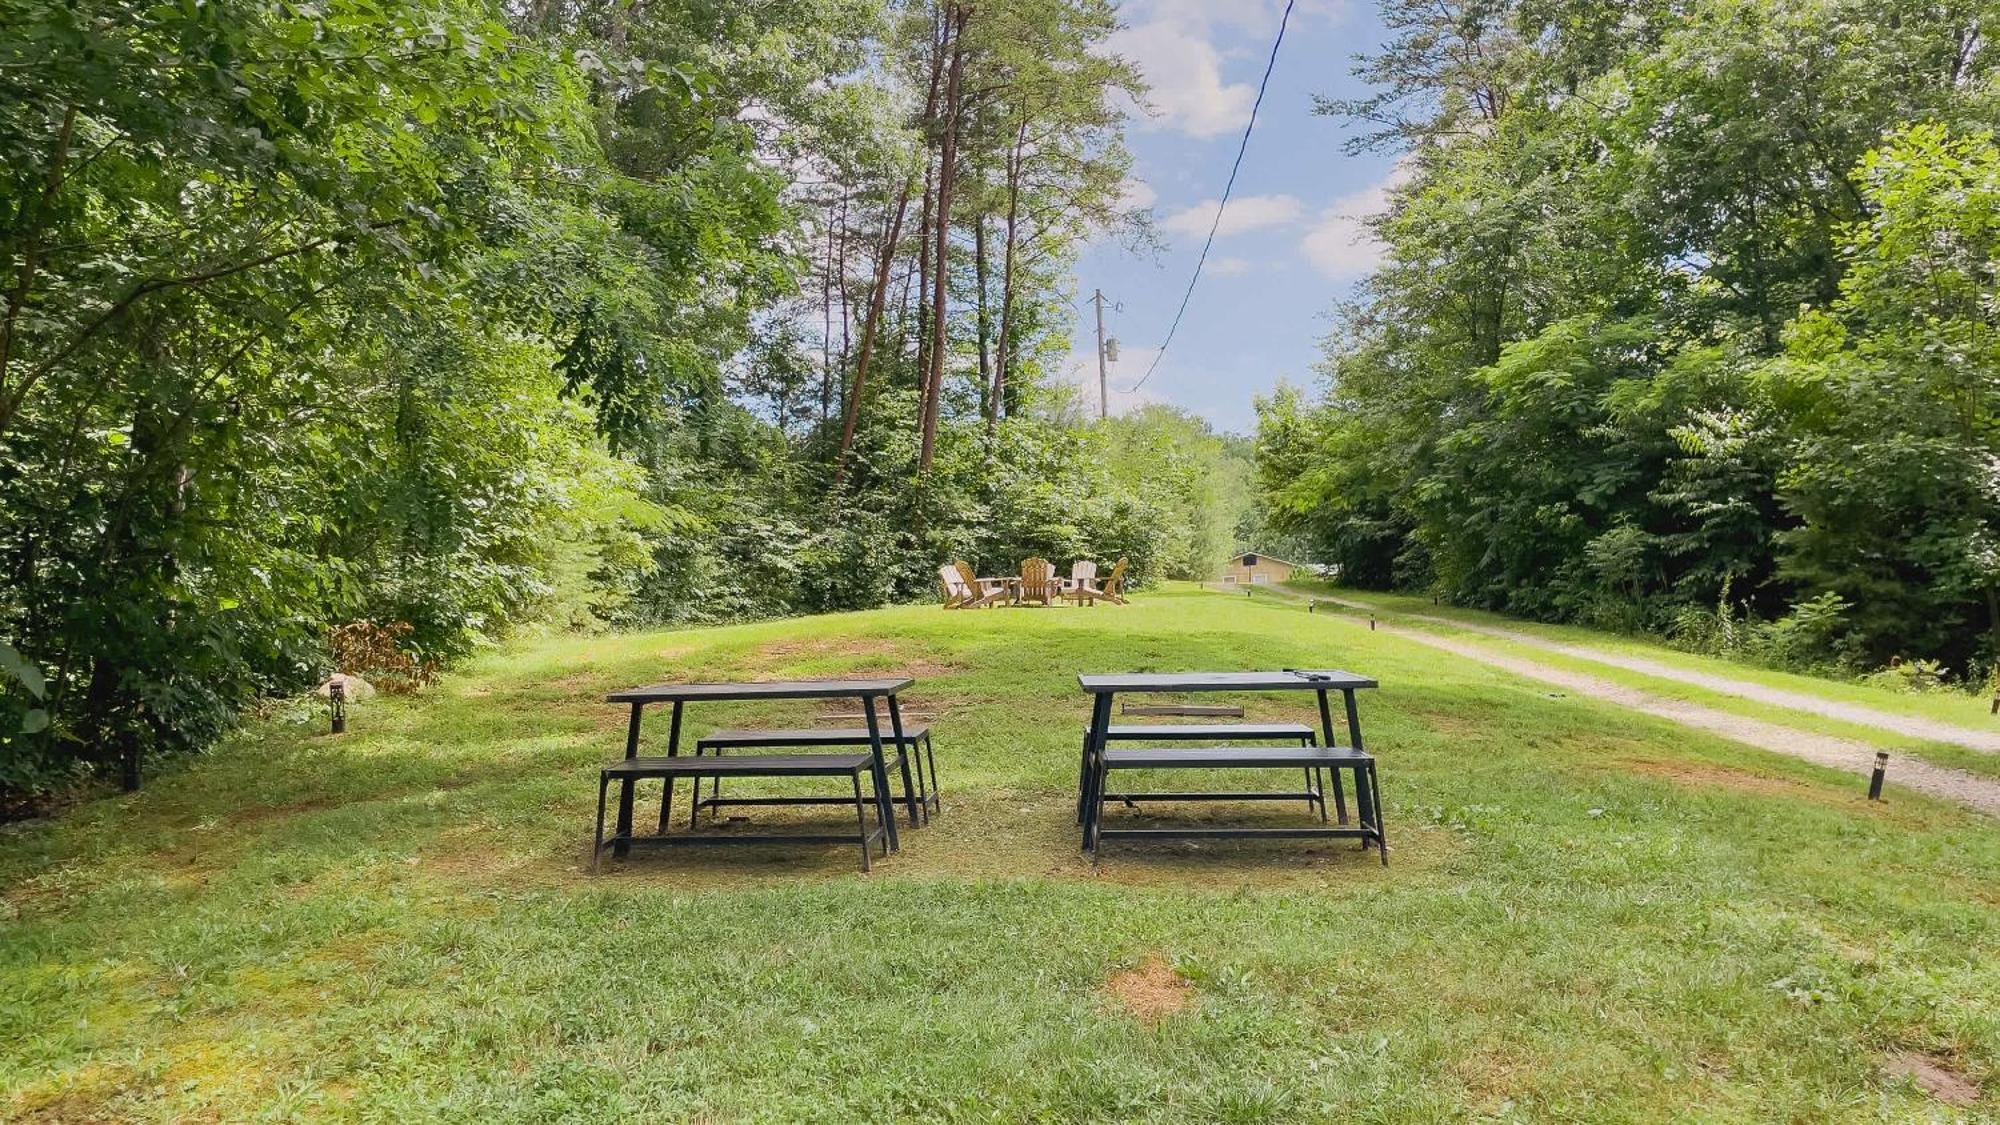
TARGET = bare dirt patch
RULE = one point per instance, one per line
(867, 653)
(1934, 1076)
(818, 647)
(1151, 992)
(1728, 777)
(590, 681)
(264, 814)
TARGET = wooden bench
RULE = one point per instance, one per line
(759, 765)
(1335, 758)
(915, 736)
(1314, 794)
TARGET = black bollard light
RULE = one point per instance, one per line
(1875, 779)
(336, 698)
(1371, 622)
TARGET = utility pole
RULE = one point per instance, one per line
(1103, 395)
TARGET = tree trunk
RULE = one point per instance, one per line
(924, 277)
(983, 317)
(1006, 346)
(947, 173)
(840, 273)
(826, 328)
(939, 39)
(869, 325)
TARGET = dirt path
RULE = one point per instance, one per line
(1931, 730)
(1842, 754)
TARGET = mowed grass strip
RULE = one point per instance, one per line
(1589, 915)
(1969, 709)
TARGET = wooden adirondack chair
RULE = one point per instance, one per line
(1082, 578)
(1039, 585)
(979, 591)
(1111, 590)
(1082, 573)
(956, 592)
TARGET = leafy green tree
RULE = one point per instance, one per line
(1581, 386)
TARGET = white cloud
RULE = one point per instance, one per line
(1175, 44)
(1229, 267)
(1251, 17)
(1248, 213)
(1340, 245)
(1136, 195)
(1183, 71)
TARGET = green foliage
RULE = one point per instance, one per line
(456, 317)
(1686, 321)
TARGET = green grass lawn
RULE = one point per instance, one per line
(1589, 915)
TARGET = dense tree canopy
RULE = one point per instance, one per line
(1686, 321)
(455, 315)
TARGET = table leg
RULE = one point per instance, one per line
(1093, 774)
(1326, 726)
(1353, 719)
(597, 841)
(937, 789)
(1381, 833)
(1371, 810)
(623, 845)
(673, 751)
(861, 821)
(911, 795)
(880, 769)
(1083, 766)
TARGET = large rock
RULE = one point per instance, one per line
(356, 687)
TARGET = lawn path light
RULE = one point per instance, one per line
(336, 700)
(1875, 779)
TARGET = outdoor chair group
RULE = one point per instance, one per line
(1312, 754)
(1037, 585)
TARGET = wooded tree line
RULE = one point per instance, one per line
(1688, 320)
(586, 312)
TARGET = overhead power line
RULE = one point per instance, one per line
(1224, 205)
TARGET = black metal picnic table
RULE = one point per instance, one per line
(1103, 688)
(863, 691)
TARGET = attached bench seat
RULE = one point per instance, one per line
(1314, 793)
(751, 765)
(810, 736)
(1202, 732)
(916, 740)
(1234, 757)
(1309, 758)
(759, 765)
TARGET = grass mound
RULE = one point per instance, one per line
(1589, 914)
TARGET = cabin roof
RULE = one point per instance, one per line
(1262, 555)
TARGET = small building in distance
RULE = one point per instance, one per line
(1256, 570)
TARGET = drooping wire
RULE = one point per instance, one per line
(1241, 148)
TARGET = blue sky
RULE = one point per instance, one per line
(1290, 243)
